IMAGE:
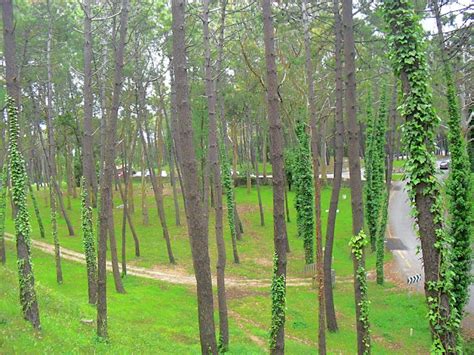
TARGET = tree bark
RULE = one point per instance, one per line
(276, 149)
(157, 191)
(317, 183)
(9, 50)
(49, 123)
(354, 160)
(216, 177)
(106, 178)
(88, 165)
(145, 215)
(197, 225)
(338, 162)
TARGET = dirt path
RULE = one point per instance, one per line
(162, 275)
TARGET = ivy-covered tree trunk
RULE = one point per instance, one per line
(354, 165)
(458, 186)
(229, 193)
(277, 332)
(197, 224)
(88, 240)
(375, 190)
(372, 195)
(3, 207)
(357, 244)
(304, 189)
(338, 162)
(28, 301)
(317, 182)
(379, 185)
(409, 63)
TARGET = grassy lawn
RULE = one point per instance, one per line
(256, 248)
(156, 317)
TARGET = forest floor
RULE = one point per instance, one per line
(159, 310)
(159, 317)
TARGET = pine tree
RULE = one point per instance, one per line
(410, 64)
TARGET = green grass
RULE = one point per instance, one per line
(256, 248)
(162, 318)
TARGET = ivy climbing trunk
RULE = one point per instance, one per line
(3, 207)
(197, 224)
(409, 63)
(354, 163)
(107, 175)
(304, 191)
(459, 184)
(277, 332)
(28, 301)
(88, 241)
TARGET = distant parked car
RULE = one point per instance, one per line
(444, 165)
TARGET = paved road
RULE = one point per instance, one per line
(403, 242)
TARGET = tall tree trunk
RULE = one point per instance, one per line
(172, 158)
(145, 215)
(155, 182)
(392, 117)
(9, 50)
(419, 138)
(323, 157)
(317, 184)
(276, 148)
(67, 156)
(88, 167)
(354, 162)
(128, 217)
(113, 250)
(459, 184)
(338, 162)
(49, 123)
(106, 179)
(28, 301)
(216, 178)
(52, 150)
(257, 183)
(197, 225)
(54, 228)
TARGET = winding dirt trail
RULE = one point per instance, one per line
(166, 276)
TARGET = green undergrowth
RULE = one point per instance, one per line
(157, 317)
(255, 249)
